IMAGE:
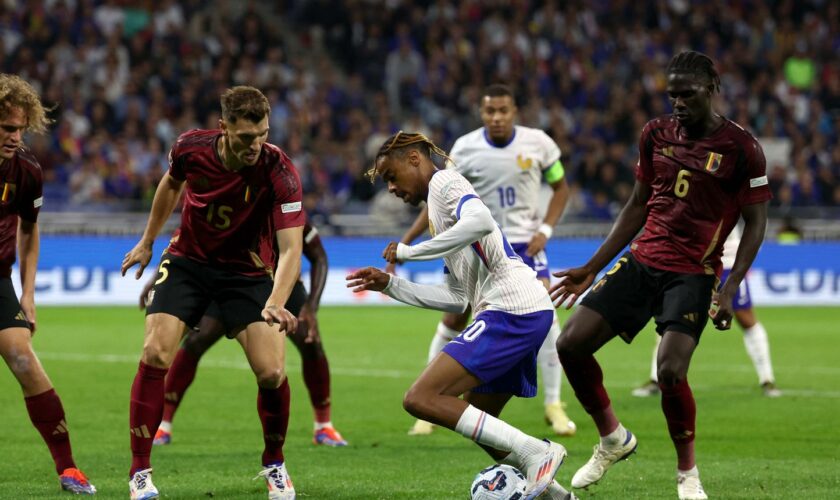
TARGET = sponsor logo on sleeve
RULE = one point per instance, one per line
(38, 202)
(758, 181)
(290, 207)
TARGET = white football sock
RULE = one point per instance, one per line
(694, 471)
(322, 425)
(549, 364)
(165, 426)
(443, 335)
(653, 368)
(614, 438)
(758, 347)
(490, 431)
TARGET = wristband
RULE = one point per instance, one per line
(546, 230)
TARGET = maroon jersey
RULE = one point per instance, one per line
(225, 213)
(698, 188)
(20, 196)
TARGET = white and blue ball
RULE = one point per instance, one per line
(498, 482)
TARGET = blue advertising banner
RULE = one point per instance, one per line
(77, 270)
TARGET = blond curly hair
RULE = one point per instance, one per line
(17, 92)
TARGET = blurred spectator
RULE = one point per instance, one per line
(128, 77)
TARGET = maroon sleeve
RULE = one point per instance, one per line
(287, 210)
(31, 195)
(176, 165)
(644, 168)
(755, 188)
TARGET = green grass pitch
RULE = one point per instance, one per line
(748, 446)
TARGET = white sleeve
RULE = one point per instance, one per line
(474, 223)
(549, 149)
(448, 298)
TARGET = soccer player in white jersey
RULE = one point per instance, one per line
(494, 358)
(755, 336)
(506, 163)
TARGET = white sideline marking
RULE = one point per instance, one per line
(377, 373)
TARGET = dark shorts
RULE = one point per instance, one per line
(631, 293)
(538, 263)
(295, 303)
(185, 288)
(11, 315)
(743, 299)
(501, 350)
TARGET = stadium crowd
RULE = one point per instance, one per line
(127, 77)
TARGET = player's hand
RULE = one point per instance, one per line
(721, 310)
(572, 284)
(536, 245)
(27, 305)
(144, 295)
(368, 278)
(390, 253)
(272, 313)
(141, 254)
(309, 319)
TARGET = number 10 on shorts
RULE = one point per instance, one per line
(474, 330)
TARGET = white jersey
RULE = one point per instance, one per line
(508, 178)
(488, 271)
(730, 247)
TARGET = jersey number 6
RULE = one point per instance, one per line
(681, 187)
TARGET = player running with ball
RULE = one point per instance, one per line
(494, 358)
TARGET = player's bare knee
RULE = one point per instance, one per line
(670, 373)
(566, 343)
(22, 363)
(415, 402)
(270, 378)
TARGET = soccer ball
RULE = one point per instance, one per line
(498, 482)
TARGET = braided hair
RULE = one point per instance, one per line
(402, 142)
(695, 63)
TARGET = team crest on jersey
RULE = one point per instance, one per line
(8, 194)
(713, 162)
(524, 163)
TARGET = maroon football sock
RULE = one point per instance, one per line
(316, 376)
(273, 408)
(47, 415)
(181, 375)
(586, 378)
(680, 413)
(145, 413)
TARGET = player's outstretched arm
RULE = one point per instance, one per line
(316, 254)
(420, 225)
(755, 225)
(573, 282)
(29, 245)
(449, 297)
(290, 246)
(474, 222)
(166, 197)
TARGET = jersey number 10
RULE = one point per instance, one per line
(507, 196)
